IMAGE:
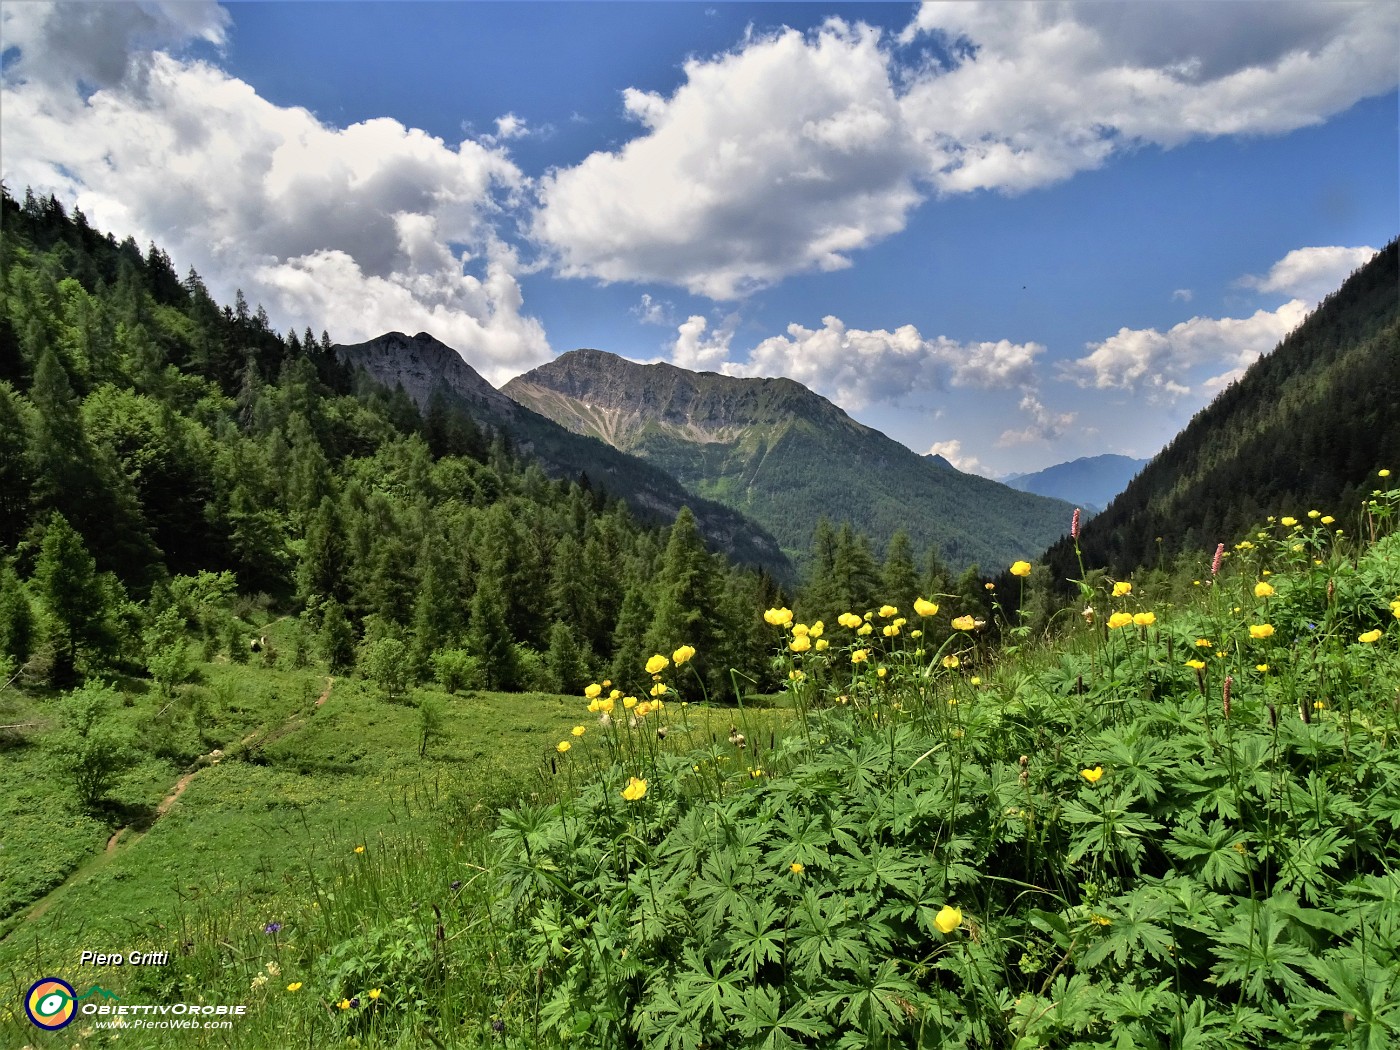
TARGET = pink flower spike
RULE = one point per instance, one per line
(1215, 562)
(1074, 525)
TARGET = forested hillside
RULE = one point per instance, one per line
(785, 456)
(1303, 428)
(160, 453)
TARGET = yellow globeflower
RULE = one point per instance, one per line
(925, 608)
(606, 706)
(374, 993)
(816, 630)
(860, 656)
(778, 617)
(359, 849)
(1327, 519)
(579, 730)
(800, 629)
(888, 610)
(562, 746)
(629, 702)
(657, 664)
(797, 867)
(1261, 630)
(800, 644)
(889, 630)
(1120, 619)
(634, 790)
(948, 919)
(849, 619)
(1383, 473)
(964, 623)
(1288, 522)
(1122, 588)
(1021, 568)
(1204, 643)
(1144, 619)
(682, 654)
(659, 689)
(593, 691)
(1263, 590)
(1395, 608)
(974, 680)
(1092, 775)
(950, 661)
(1314, 513)
(295, 986)
(1196, 664)
(1370, 636)
(864, 629)
(822, 643)
(344, 1004)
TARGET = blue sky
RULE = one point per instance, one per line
(1012, 233)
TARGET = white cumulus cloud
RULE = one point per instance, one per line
(1045, 425)
(952, 451)
(791, 152)
(358, 229)
(857, 367)
(1310, 273)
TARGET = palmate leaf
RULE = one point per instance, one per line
(880, 867)
(764, 1018)
(1305, 868)
(708, 992)
(756, 937)
(825, 939)
(1360, 986)
(884, 1001)
(1218, 853)
(1255, 951)
(659, 1021)
(1136, 930)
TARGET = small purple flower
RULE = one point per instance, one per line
(272, 927)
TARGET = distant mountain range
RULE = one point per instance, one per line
(785, 456)
(1305, 428)
(1090, 482)
(429, 369)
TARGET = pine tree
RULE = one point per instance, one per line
(564, 659)
(320, 572)
(687, 590)
(16, 617)
(337, 638)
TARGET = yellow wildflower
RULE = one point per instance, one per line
(634, 790)
(593, 691)
(755, 773)
(860, 656)
(1370, 636)
(1383, 473)
(1204, 643)
(562, 746)
(800, 644)
(1263, 590)
(865, 629)
(950, 661)
(797, 867)
(822, 643)
(295, 986)
(974, 680)
(778, 617)
(606, 706)
(889, 630)
(800, 629)
(925, 608)
(888, 610)
(964, 623)
(1262, 668)
(359, 849)
(374, 993)
(1314, 513)
(1120, 619)
(1144, 619)
(1288, 522)
(579, 730)
(657, 664)
(1020, 568)
(659, 689)
(817, 629)
(682, 654)
(848, 619)
(1327, 519)
(1100, 920)
(629, 702)
(1197, 664)
(990, 586)
(344, 1004)
(796, 676)
(882, 671)
(948, 919)
(1092, 775)
(1121, 588)
(1261, 630)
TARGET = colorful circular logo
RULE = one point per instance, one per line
(50, 1003)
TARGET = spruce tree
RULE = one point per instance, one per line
(489, 637)
(74, 599)
(899, 580)
(687, 590)
(16, 617)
